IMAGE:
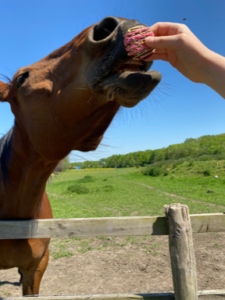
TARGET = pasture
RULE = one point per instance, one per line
(129, 264)
(126, 192)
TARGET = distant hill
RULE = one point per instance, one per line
(210, 145)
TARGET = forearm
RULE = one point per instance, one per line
(213, 72)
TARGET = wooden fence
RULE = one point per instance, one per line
(177, 224)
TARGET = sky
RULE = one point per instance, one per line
(177, 109)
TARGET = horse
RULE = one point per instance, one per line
(63, 102)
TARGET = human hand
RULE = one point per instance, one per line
(176, 44)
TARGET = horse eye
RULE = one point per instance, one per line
(21, 78)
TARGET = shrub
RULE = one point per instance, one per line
(206, 172)
(153, 171)
(86, 179)
(108, 188)
(177, 163)
(78, 189)
(220, 156)
(206, 157)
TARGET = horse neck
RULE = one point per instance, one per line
(26, 175)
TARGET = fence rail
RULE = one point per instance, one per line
(202, 295)
(180, 237)
(92, 227)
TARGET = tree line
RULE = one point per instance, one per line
(205, 145)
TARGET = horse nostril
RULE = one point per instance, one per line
(105, 28)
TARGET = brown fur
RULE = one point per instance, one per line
(56, 111)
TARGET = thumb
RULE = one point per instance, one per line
(160, 42)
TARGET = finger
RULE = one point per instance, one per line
(163, 50)
(167, 28)
(165, 42)
(160, 28)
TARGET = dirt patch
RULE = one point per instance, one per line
(120, 265)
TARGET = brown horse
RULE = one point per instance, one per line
(61, 103)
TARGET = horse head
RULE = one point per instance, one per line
(67, 100)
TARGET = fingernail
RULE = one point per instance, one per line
(149, 40)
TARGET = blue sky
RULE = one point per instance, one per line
(176, 110)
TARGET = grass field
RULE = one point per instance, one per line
(127, 192)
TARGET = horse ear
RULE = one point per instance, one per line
(4, 91)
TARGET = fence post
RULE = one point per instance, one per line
(181, 252)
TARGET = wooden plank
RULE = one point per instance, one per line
(157, 296)
(208, 223)
(121, 226)
(211, 295)
(202, 295)
(182, 252)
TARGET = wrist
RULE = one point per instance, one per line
(213, 72)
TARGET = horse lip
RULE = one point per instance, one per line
(132, 65)
(110, 64)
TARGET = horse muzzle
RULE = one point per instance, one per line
(113, 72)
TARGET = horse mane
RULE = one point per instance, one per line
(5, 151)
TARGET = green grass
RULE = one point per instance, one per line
(63, 254)
(122, 192)
(69, 247)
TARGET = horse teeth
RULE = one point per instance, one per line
(130, 66)
(129, 70)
